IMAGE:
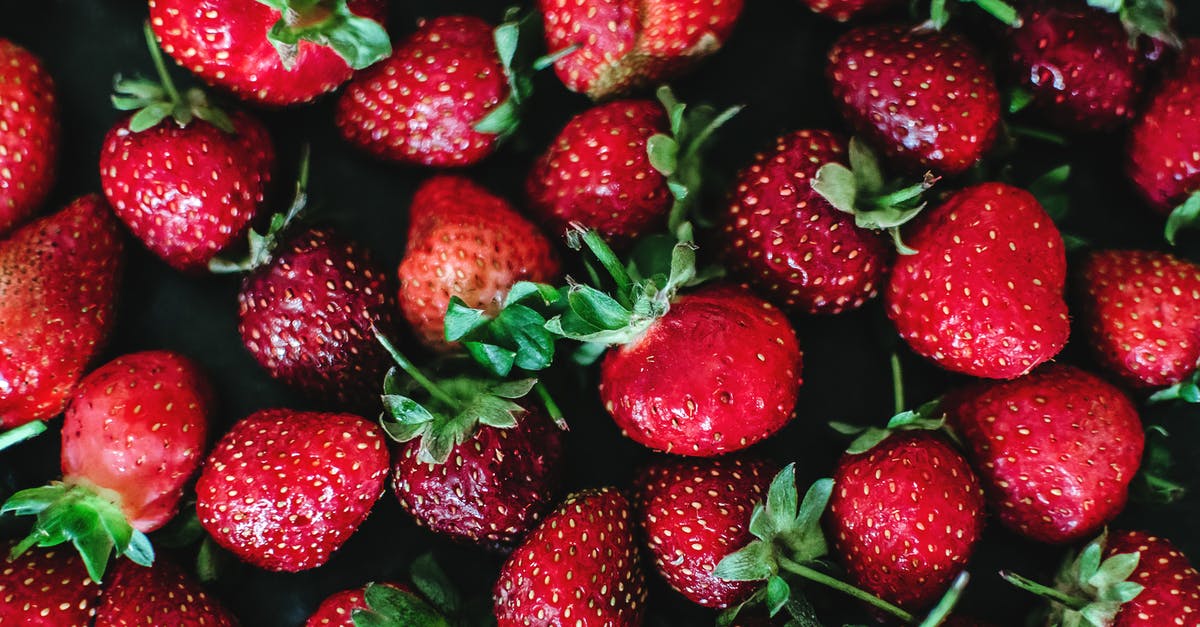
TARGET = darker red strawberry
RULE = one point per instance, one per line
(579, 566)
(846, 10)
(1055, 449)
(1171, 585)
(982, 295)
(29, 132)
(925, 98)
(337, 610)
(283, 489)
(277, 52)
(47, 588)
(159, 595)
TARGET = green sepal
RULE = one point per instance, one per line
(1152, 18)
(1186, 391)
(1185, 216)
(261, 246)
(389, 606)
(360, 41)
(1018, 99)
(518, 39)
(927, 417)
(1153, 484)
(429, 578)
(515, 336)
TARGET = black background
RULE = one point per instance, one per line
(773, 64)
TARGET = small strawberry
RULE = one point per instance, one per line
(283, 489)
(396, 605)
(132, 439)
(846, 10)
(897, 86)
(273, 52)
(580, 566)
(160, 595)
(47, 588)
(58, 284)
(982, 294)
(29, 132)
(339, 609)
(625, 45)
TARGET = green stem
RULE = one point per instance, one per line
(1046, 592)
(551, 407)
(817, 576)
(899, 196)
(897, 384)
(608, 259)
(160, 66)
(1000, 10)
(300, 200)
(21, 433)
(938, 15)
(547, 60)
(945, 606)
(407, 366)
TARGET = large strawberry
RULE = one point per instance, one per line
(274, 52)
(133, 436)
(982, 294)
(50, 327)
(622, 45)
(47, 588)
(160, 595)
(925, 98)
(29, 133)
(283, 489)
(580, 566)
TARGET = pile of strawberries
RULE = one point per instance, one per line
(632, 272)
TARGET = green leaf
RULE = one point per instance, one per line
(588, 353)
(753, 562)
(1114, 570)
(782, 500)
(597, 308)
(1019, 99)
(358, 40)
(406, 410)
(507, 36)
(524, 330)
(501, 120)
(513, 389)
(390, 606)
(868, 175)
(837, 184)
(462, 320)
(497, 359)
(778, 594)
(522, 290)
(1185, 216)
(431, 581)
(663, 152)
(1112, 6)
(151, 116)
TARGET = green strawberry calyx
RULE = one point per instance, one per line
(1089, 590)
(437, 603)
(261, 246)
(1153, 483)
(1152, 18)
(939, 13)
(1185, 216)
(360, 41)
(87, 517)
(927, 417)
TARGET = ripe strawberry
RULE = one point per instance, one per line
(1140, 312)
(283, 489)
(695, 512)
(897, 85)
(396, 604)
(338, 609)
(983, 293)
(625, 45)
(47, 588)
(161, 595)
(58, 280)
(1056, 450)
(465, 242)
(132, 439)
(29, 134)
(846, 10)
(905, 516)
(579, 566)
(276, 52)
(1170, 584)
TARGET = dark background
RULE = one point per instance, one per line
(773, 64)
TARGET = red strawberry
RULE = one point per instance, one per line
(846, 10)
(1056, 450)
(1141, 314)
(905, 516)
(29, 133)
(277, 52)
(695, 512)
(47, 588)
(161, 595)
(394, 603)
(983, 293)
(132, 439)
(465, 242)
(580, 567)
(897, 87)
(283, 489)
(628, 44)
(337, 610)
(1171, 585)
(58, 280)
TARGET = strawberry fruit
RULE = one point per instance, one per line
(160, 595)
(846, 10)
(47, 588)
(29, 132)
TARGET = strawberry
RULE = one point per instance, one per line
(394, 604)
(274, 52)
(283, 489)
(846, 10)
(623, 45)
(47, 588)
(580, 566)
(339, 608)
(895, 86)
(1056, 449)
(465, 243)
(161, 595)
(58, 283)
(29, 132)
(132, 438)
(982, 295)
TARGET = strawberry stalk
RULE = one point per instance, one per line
(1046, 592)
(898, 403)
(939, 13)
(358, 40)
(834, 583)
(16, 435)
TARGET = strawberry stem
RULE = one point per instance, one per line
(549, 59)
(608, 259)
(19, 434)
(551, 407)
(901, 196)
(1046, 592)
(817, 576)
(1000, 10)
(160, 65)
(897, 384)
(413, 371)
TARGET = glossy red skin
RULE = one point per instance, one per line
(1055, 449)
(159, 595)
(905, 517)
(187, 193)
(1140, 312)
(138, 426)
(58, 285)
(983, 294)
(494, 487)
(580, 566)
(29, 134)
(909, 121)
(846, 10)
(1163, 158)
(284, 489)
(695, 512)
(630, 44)
(239, 58)
(1171, 595)
(47, 588)
(717, 374)
(337, 610)
(789, 243)
(421, 105)
(465, 241)
(307, 318)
